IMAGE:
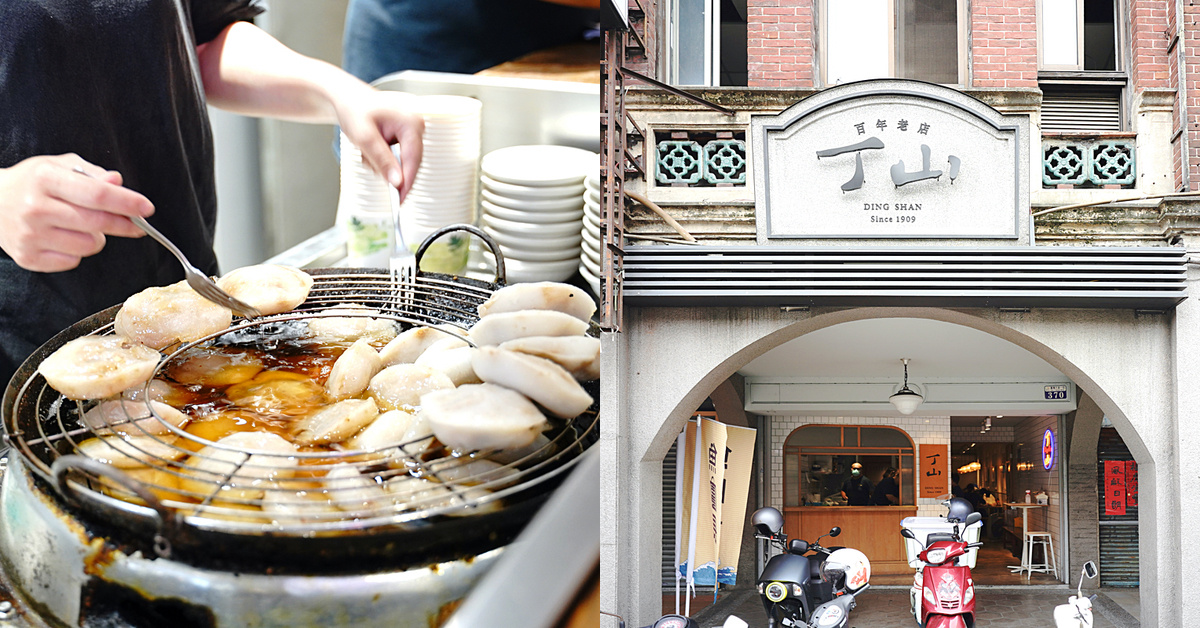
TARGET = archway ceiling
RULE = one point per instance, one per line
(870, 351)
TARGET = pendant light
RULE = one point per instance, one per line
(906, 399)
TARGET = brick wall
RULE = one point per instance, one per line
(1004, 43)
(1191, 54)
(928, 430)
(780, 36)
(1149, 36)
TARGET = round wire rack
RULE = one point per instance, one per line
(159, 472)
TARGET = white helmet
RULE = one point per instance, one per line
(847, 567)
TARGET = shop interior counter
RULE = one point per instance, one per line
(873, 530)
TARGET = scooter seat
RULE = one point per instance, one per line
(934, 537)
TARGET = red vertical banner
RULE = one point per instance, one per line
(1114, 487)
(1131, 484)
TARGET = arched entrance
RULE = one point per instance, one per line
(671, 358)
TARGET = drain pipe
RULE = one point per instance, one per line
(1181, 96)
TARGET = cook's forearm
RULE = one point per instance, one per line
(247, 71)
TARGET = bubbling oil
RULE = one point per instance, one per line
(259, 379)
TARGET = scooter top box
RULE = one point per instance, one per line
(922, 527)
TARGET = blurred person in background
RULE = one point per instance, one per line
(887, 492)
(118, 91)
(461, 36)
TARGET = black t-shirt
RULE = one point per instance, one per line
(886, 486)
(857, 490)
(117, 83)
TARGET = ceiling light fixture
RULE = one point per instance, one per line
(906, 399)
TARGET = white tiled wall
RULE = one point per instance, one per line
(922, 430)
(972, 435)
(1028, 435)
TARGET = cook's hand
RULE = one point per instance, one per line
(374, 120)
(51, 217)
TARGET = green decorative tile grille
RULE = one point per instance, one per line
(725, 162)
(1112, 163)
(700, 158)
(679, 162)
(1088, 163)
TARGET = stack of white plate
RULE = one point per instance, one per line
(447, 185)
(589, 259)
(533, 207)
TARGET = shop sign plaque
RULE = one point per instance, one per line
(935, 470)
(890, 160)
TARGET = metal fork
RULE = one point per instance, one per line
(201, 283)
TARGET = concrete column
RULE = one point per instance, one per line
(1182, 480)
(1082, 492)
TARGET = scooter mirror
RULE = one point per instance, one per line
(1089, 569)
(835, 531)
(797, 546)
(908, 534)
(974, 518)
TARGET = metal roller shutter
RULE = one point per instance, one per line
(1118, 533)
(668, 521)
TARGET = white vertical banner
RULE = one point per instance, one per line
(704, 478)
(739, 458)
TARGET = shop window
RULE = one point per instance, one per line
(913, 39)
(817, 459)
(707, 42)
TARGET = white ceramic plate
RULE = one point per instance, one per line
(593, 266)
(520, 271)
(509, 241)
(539, 164)
(531, 192)
(591, 279)
(591, 222)
(538, 218)
(591, 237)
(591, 255)
(592, 196)
(540, 256)
(538, 205)
(525, 229)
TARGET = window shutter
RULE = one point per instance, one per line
(1080, 108)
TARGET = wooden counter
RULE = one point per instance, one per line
(578, 63)
(873, 530)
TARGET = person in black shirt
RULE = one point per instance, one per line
(857, 488)
(887, 492)
(974, 496)
(119, 91)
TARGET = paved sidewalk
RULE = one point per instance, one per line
(887, 607)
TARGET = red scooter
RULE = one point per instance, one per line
(947, 590)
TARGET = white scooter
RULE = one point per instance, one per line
(1077, 612)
